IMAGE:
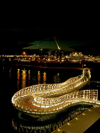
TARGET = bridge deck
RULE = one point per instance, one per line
(82, 123)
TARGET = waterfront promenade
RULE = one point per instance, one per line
(82, 122)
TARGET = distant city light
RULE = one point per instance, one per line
(24, 52)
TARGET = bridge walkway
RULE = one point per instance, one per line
(82, 123)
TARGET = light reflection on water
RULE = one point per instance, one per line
(24, 78)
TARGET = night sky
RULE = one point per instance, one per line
(74, 31)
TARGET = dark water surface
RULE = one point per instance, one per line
(12, 79)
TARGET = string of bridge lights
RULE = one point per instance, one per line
(45, 99)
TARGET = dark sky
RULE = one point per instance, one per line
(23, 28)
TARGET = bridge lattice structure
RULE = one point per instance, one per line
(44, 99)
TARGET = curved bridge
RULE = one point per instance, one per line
(44, 99)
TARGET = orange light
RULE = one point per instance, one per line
(24, 52)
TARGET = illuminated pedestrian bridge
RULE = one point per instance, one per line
(44, 99)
